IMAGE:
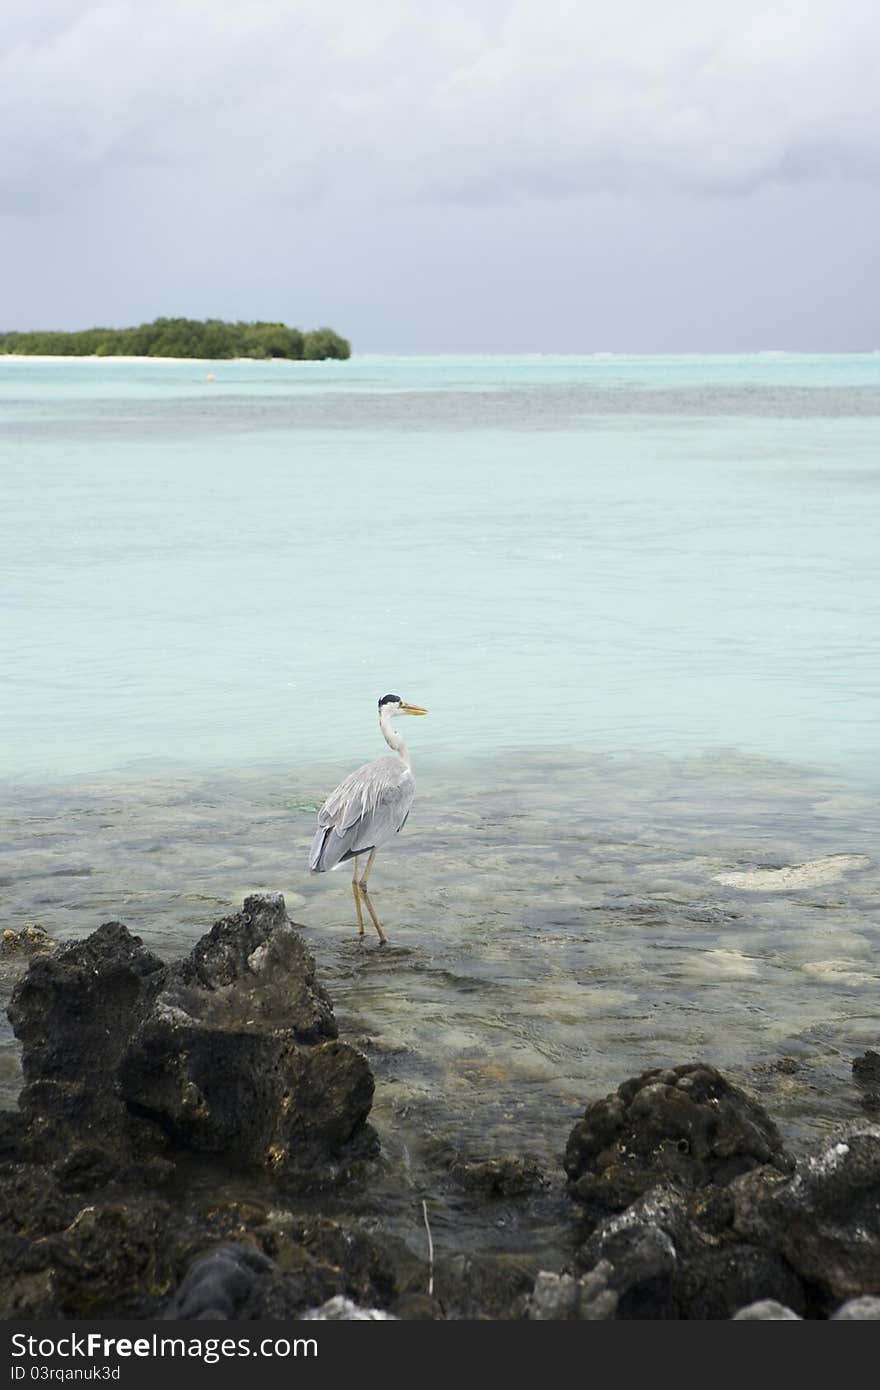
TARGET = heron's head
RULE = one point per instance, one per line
(392, 705)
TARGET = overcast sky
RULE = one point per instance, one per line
(451, 175)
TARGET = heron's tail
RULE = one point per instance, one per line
(318, 849)
(329, 849)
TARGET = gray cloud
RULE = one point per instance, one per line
(471, 175)
(473, 101)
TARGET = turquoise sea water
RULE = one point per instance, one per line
(608, 553)
(640, 598)
(662, 554)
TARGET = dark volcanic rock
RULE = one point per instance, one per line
(638, 1265)
(27, 1281)
(239, 1054)
(825, 1220)
(31, 1208)
(661, 1259)
(130, 1063)
(218, 1282)
(32, 1200)
(348, 1259)
(13, 1129)
(650, 1166)
(232, 1051)
(73, 1013)
(687, 1125)
(287, 1264)
(114, 1255)
(253, 968)
(714, 1283)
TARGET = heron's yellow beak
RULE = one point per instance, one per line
(412, 709)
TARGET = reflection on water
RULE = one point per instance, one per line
(556, 924)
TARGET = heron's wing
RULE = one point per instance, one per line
(364, 790)
(363, 812)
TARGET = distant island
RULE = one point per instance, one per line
(211, 338)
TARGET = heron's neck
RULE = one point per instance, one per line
(393, 739)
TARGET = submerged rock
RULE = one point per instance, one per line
(866, 1074)
(416, 1307)
(504, 1175)
(866, 1068)
(687, 1125)
(485, 1286)
(824, 1220)
(28, 941)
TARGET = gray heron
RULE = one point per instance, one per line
(365, 810)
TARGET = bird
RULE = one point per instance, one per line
(366, 809)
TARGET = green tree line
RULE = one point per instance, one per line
(211, 338)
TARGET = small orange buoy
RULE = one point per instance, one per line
(210, 376)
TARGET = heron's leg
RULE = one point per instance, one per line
(376, 923)
(367, 869)
(362, 886)
(357, 897)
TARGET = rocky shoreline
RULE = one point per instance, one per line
(193, 1141)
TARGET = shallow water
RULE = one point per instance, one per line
(640, 598)
(556, 924)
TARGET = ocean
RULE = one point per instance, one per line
(640, 597)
